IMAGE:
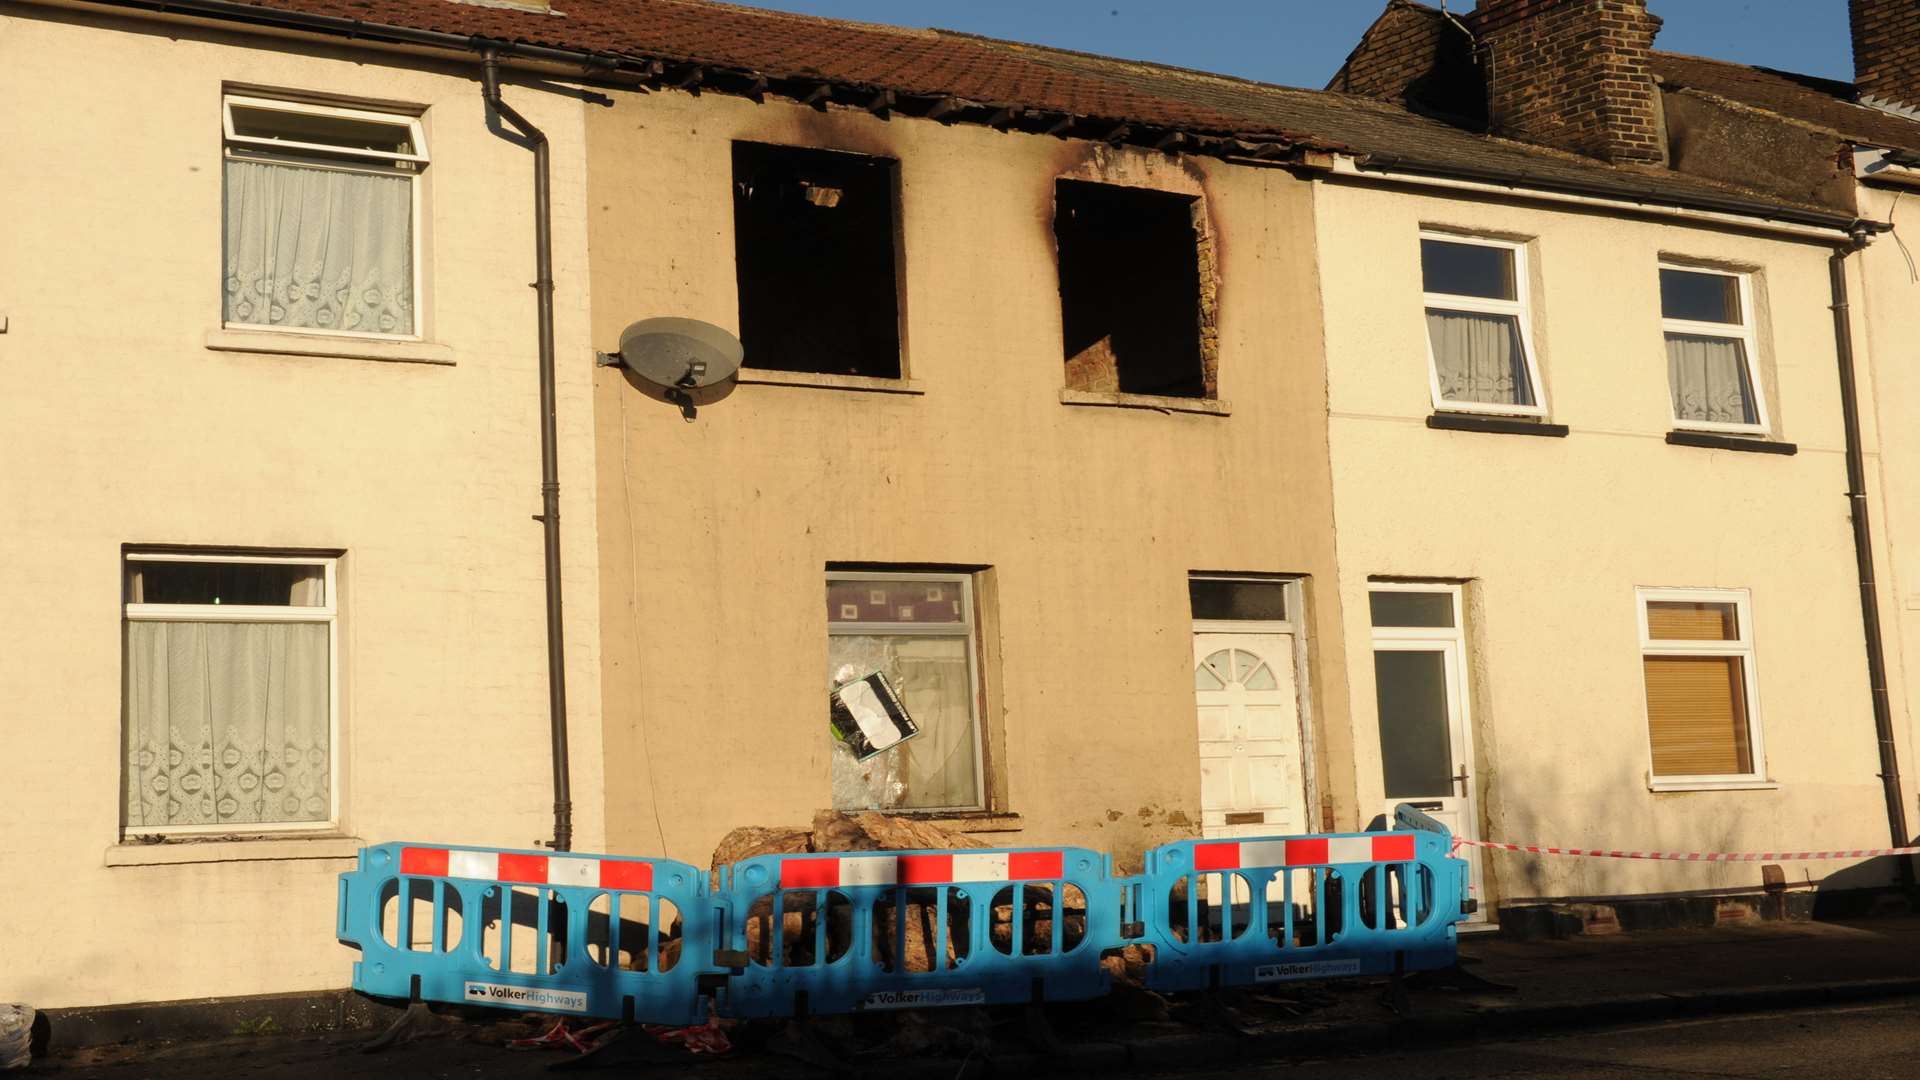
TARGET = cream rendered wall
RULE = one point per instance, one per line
(716, 533)
(1886, 322)
(123, 427)
(1554, 535)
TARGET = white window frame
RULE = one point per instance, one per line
(1450, 641)
(1742, 332)
(340, 158)
(328, 612)
(1742, 648)
(1481, 305)
(967, 627)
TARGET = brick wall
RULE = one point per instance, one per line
(1886, 50)
(1572, 74)
(1397, 49)
(1414, 56)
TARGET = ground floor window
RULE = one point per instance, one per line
(1696, 649)
(230, 691)
(916, 629)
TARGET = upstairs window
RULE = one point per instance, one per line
(1696, 648)
(1479, 332)
(322, 218)
(1708, 320)
(1131, 308)
(814, 254)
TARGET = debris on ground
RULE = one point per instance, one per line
(17, 1023)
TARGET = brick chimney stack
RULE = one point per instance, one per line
(1574, 74)
(1886, 51)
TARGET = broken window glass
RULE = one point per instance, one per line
(923, 645)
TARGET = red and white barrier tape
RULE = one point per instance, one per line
(1690, 856)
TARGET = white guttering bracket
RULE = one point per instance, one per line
(1870, 163)
(1346, 165)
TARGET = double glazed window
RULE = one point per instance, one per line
(1697, 651)
(1478, 328)
(230, 692)
(1708, 321)
(322, 218)
(918, 631)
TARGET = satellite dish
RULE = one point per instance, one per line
(679, 354)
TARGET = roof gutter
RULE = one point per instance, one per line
(1833, 228)
(384, 33)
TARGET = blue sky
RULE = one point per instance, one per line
(1302, 42)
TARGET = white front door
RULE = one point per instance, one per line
(1251, 779)
(1426, 744)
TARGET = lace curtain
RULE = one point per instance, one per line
(1709, 380)
(316, 248)
(937, 767)
(227, 723)
(1478, 357)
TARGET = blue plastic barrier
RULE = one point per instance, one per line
(577, 935)
(1254, 910)
(910, 929)
(788, 935)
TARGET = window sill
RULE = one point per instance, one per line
(965, 821)
(262, 849)
(1497, 425)
(283, 344)
(1112, 400)
(1752, 444)
(1738, 784)
(817, 381)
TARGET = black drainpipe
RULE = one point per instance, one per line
(1863, 548)
(549, 449)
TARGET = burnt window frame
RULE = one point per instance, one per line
(1205, 340)
(899, 371)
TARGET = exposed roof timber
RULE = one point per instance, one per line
(944, 107)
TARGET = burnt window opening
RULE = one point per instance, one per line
(813, 244)
(1131, 306)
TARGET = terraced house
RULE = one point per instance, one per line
(1196, 456)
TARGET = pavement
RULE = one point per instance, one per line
(1880, 1041)
(1531, 988)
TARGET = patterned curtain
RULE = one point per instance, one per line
(1478, 357)
(227, 723)
(1709, 380)
(318, 248)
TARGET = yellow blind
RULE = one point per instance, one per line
(1670, 620)
(1697, 715)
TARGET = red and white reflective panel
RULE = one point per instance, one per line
(1304, 851)
(1692, 856)
(947, 868)
(528, 869)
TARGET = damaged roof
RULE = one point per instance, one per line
(1822, 103)
(1026, 87)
